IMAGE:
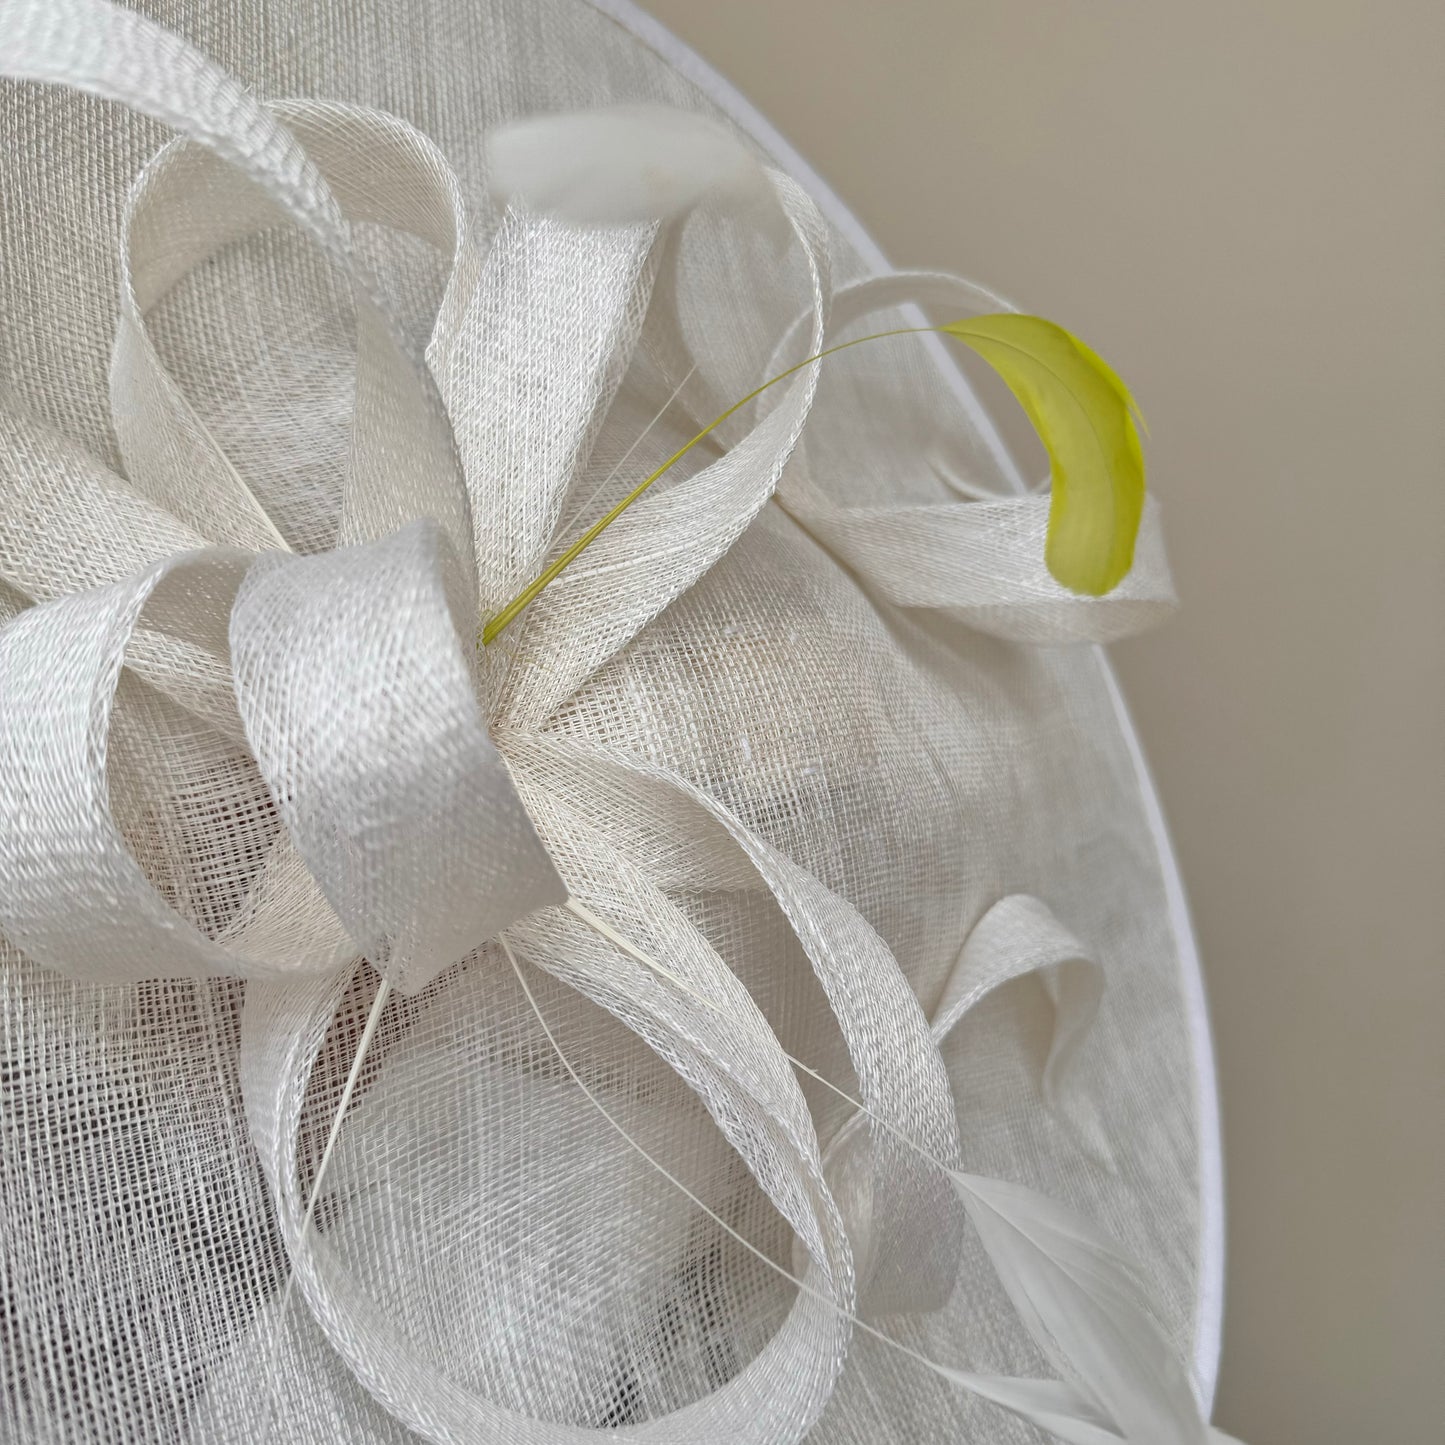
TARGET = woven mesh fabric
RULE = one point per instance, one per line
(774, 742)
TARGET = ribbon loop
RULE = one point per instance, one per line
(527, 416)
(982, 559)
(361, 711)
(75, 897)
(666, 540)
(1019, 935)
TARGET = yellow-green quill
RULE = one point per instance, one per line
(1079, 406)
(1086, 419)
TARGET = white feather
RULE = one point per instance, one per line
(1077, 1292)
(1061, 1410)
(1085, 1306)
(621, 165)
(1079, 1295)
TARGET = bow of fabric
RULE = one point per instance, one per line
(325, 705)
(310, 644)
(358, 762)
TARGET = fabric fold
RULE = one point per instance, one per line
(359, 706)
(906, 1226)
(374, 750)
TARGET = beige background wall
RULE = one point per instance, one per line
(1243, 206)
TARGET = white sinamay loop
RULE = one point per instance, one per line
(524, 410)
(75, 899)
(663, 543)
(284, 1029)
(56, 496)
(984, 559)
(400, 466)
(1019, 935)
(908, 1243)
(360, 709)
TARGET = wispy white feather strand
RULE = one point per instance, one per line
(1050, 1404)
(580, 511)
(1078, 1294)
(344, 1103)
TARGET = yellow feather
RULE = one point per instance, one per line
(1085, 417)
(1081, 410)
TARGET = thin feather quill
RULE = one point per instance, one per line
(1078, 1293)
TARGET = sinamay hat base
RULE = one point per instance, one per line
(809, 727)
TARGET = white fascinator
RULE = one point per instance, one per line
(569, 869)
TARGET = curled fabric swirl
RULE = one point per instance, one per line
(248, 732)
